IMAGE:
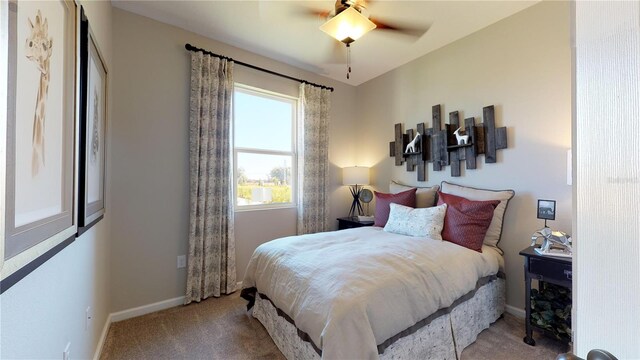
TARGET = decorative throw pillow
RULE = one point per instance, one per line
(495, 229)
(467, 221)
(425, 196)
(406, 198)
(422, 222)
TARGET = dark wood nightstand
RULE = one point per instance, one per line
(352, 222)
(545, 269)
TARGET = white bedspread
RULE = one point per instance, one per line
(350, 290)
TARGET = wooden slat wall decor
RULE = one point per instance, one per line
(399, 145)
(490, 132)
(435, 146)
(438, 144)
(411, 164)
(424, 147)
(471, 151)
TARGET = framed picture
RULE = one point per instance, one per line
(38, 133)
(92, 129)
(547, 209)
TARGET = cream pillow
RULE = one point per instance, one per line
(423, 222)
(495, 228)
(425, 196)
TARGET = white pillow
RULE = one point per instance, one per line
(495, 228)
(421, 222)
(425, 196)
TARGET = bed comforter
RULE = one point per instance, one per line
(353, 289)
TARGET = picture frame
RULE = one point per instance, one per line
(92, 129)
(37, 132)
(546, 209)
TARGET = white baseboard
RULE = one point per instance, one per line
(517, 312)
(146, 309)
(103, 337)
(138, 311)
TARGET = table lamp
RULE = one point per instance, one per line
(355, 177)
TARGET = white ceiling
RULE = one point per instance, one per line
(276, 29)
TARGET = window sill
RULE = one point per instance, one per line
(264, 208)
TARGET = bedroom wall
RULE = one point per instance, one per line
(522, 65)
(150, 175)
(46, 309)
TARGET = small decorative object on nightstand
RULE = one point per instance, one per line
(352, 222)
(549, 307)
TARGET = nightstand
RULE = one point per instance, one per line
(547, 270)
(352, 222)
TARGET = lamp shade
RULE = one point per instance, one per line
(349, 23)
(355, 175)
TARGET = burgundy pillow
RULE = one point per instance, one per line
(406, 198)
(466, 221)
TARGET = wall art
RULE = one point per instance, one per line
(448, 145)
(92, 130)
(38, 133)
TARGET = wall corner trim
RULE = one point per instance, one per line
(517, 312)
(103, 338)
(146, 309)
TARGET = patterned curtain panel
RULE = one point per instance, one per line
(313, 160)
(211, 263)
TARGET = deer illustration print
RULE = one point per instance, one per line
(38, 49)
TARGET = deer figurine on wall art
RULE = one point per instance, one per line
(461, 139)
(412, 145)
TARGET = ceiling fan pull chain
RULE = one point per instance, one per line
(348, 60)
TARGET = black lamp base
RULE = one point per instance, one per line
(356, 205)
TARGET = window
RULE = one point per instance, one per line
(264, 152)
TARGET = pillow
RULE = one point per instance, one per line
(495, 229)
(423, 222)
(467, 221)
(406, 198)
(425, 196)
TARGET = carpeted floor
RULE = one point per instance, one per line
(222, 329)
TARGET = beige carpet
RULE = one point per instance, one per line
(222, 329)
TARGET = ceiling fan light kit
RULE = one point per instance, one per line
(348, 25)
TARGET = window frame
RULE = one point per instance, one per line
(295, 102)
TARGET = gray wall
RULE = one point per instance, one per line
(522, 65)
(150, 186)
(46, 309)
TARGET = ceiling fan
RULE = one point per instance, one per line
(350, 20)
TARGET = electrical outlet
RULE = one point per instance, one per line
(182, 261)
(66, 352)
(88, 316)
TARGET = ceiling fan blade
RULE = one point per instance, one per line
(323, 14)
(413, 31)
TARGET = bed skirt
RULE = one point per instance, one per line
(442, 336)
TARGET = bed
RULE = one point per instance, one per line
(366, 293)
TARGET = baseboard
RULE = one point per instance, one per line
(146, 309)
(517, 312)
(138, 311)
(103, 337)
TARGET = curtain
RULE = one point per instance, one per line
(313, 160)
(211, 269)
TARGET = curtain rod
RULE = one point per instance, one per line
(196, 49)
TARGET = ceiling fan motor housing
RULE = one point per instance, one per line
(342, 5)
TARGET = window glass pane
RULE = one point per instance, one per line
(263, 179)
(262, 122)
